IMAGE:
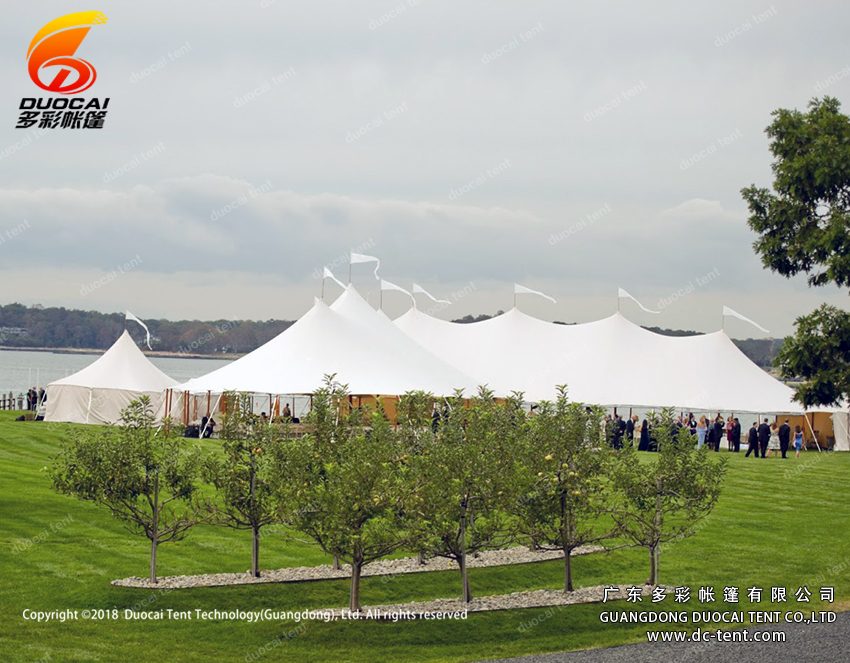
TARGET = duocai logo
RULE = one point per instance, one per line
(51, 61)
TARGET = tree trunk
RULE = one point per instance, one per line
(154, 529)
(420, 559)
(255, 551)
(659, 525)
(653, 565)
(354, 601)
(337, 565)
(566, 530)
(255, 530)
(153, 561)
(464, 574)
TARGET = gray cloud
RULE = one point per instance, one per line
(393, 183)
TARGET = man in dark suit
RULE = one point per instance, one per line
(630, 429)
(619, 431)
(736, 435)
(784, 438)
(764, 436)
(718, 432)
(753, 441)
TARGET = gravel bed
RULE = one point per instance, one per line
(541, 598)
(389, 567)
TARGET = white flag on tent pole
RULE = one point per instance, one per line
(329, 275)
(419, 289)
(386, 285)
(522, 290)
(623, 293)
(130, 316)
(360, 257)
(735, 314)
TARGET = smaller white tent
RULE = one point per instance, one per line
(98, 393)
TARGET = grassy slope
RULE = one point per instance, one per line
(767, 530)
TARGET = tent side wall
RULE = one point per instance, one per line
(85, 405)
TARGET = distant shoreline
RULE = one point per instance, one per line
(149, 353)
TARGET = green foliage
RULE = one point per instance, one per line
(465, 477)
(144, 476)
(804, 227)
(819, 352)
(246, 497)
(804, 223)
(347, 482)
(565, 491)
(664, 499)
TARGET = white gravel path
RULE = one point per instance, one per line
(390, 567)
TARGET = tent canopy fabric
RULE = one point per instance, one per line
(361, 346)
(610, 362)
(99, 392)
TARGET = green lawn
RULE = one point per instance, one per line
(767, 530)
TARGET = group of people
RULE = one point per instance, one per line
(619, 431)
(770, 438)
(35, 397)
(284, 418)
(762, 438)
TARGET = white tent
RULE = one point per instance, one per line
(610, 362)
(352, 340)
(98, 393)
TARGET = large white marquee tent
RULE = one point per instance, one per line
(98, 393)
(611, 362)
(350, 339)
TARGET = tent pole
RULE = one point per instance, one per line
(323, 288)
(209, 396)
(806, 417)
(349, 271)
(841, 415)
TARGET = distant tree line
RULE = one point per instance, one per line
(69, 328)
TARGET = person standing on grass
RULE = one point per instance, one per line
(785, 438)
(753, 441)
(630, 429)
(702, 430)
(718, 432)
(729, 425)
(619, 431)
(643, 445)
(798, 441)
(773, 443)
(692, 423)
(764, 437)
(736, 435)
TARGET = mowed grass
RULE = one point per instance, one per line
(771, 528)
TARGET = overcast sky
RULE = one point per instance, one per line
(363, 124)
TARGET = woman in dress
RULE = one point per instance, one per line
(702, 429)
(730, 425)
(798, 440)
(773, 442)
(644, 436)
